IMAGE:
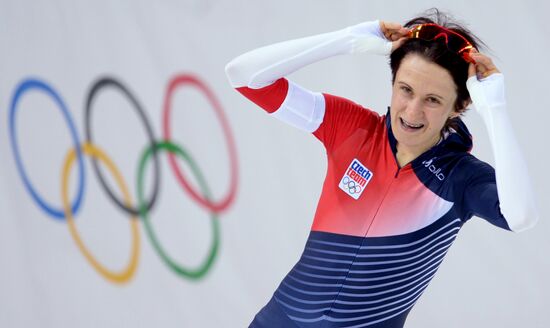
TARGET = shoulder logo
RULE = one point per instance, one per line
(436, 171)
(355, 179)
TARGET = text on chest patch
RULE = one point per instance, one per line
(355, 179)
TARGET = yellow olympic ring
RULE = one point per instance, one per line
(117, 277)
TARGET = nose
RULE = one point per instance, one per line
(414, 109)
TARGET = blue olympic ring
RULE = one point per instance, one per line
(23, 87)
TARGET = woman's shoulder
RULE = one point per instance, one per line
(339, 108)
(469, 169)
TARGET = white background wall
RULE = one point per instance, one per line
(490, 278)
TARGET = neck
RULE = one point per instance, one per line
(406, 155)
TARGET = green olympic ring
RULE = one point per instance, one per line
(202, 269)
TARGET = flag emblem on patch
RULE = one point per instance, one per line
(355, 179)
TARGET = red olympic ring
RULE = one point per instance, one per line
(214, 206)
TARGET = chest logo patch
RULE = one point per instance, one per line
(355, 179)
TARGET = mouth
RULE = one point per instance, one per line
(410, 127)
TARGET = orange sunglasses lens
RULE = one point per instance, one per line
(454, 41)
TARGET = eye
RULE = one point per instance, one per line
(405, 89)
(433, 100)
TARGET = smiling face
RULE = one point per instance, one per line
(423, 98)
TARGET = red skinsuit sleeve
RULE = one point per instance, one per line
(341, 118)
(270, 97)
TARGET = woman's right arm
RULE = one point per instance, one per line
(258, 74)
(263, 66)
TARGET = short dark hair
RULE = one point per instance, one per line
(438, 53)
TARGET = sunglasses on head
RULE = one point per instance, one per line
(454, 41)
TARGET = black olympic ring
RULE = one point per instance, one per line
(97, 86)
(353, 185)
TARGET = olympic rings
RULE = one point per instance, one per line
(351, 185)
(128, 272)
(203, 268)
(102, 83)
(223, 204)
(143, 207)
(26, 86)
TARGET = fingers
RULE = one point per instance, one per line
(471, 70)
(393, 31)
(483, 66)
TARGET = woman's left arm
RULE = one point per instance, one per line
(486, 87)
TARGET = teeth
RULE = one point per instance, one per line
(412, 125)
